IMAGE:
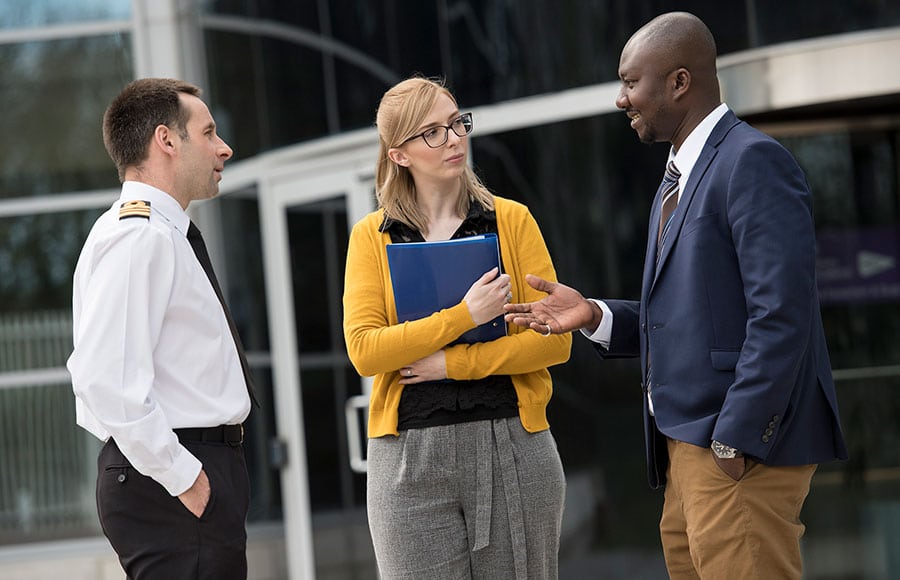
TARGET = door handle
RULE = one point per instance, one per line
(354, 435)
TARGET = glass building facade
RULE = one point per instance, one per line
(294, 87)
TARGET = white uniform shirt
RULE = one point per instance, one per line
(153, 351)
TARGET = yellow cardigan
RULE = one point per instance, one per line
(379, 346)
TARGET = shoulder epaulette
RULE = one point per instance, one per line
(135, 209)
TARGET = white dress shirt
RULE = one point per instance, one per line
(153, 351)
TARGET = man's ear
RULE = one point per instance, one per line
(164, 139)
(398, 157)
(680, 81)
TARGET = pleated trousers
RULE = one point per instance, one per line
(478, 500)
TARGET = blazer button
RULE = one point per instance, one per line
(769, 432)
(776, 418)
(121, 478)
(765, 438)
(771, 424)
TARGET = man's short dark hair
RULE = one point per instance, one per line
(136, 112)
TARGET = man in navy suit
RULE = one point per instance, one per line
(739, 402)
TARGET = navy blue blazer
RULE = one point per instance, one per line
(731, 312)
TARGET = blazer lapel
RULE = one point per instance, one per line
(652, 233)
(710, 149)
(684, 203)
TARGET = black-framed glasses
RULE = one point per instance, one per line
(435, 137)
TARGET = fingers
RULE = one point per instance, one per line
(486, 297)
(543, 329)
(488, 276)
(513, 309)
(539, 283)
(527, 319)
(408, 376)
(491, 277)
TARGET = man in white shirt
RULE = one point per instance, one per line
(157, 370)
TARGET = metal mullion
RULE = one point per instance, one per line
(64, 31)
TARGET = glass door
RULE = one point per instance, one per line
(307, 221)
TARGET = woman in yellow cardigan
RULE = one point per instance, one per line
(464, 479)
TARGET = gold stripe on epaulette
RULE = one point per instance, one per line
(135, 208)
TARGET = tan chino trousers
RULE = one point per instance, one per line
(716, 528)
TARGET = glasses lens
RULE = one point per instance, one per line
(462, 126)
(435, 137)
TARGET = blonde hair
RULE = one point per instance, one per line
(403, 109)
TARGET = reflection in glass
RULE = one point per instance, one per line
(37, 259)
(852, 174)
(33, 13)
(53, 95)
(46, 491)
(264, 93)
(47, 488)
(777, 21)
(242, 250)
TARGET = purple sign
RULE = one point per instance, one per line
(861, 265)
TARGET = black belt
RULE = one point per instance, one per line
(230, 434)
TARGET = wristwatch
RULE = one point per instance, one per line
(723, 451)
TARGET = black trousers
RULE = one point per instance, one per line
(156, 537)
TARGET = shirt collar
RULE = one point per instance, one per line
(476, 213)
(687, 155)
(159, 200)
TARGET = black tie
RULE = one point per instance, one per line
(199, 248)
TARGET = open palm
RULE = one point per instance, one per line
(563, 310)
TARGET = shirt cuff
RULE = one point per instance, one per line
(603, 334)
(183, 474)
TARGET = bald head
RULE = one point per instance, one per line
(668, 74)
(679, 39)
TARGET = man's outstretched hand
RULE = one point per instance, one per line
(563, 310)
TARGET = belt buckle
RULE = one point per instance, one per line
(242, 434)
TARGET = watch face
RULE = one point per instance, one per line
(723, 451)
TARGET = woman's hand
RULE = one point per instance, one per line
(487, 296)
(431, 368)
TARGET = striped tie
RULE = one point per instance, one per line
(669, 203)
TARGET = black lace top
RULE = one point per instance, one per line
(449, 402)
